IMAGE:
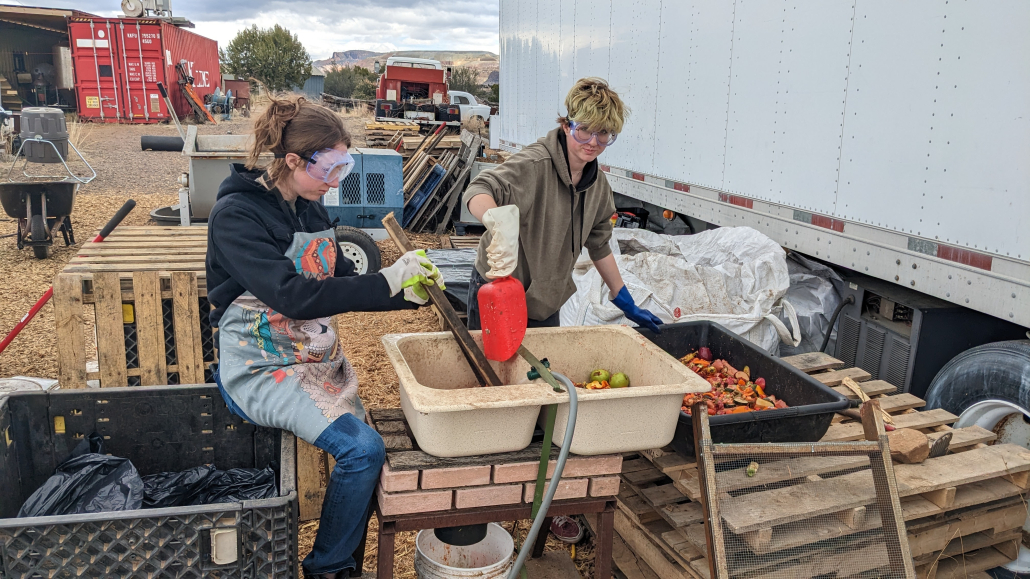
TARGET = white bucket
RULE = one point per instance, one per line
(489, 558)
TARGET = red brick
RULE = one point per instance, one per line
(578, 466)
(519, 471)
(567, 489)
(604, 486)
(398, 481)
(419, 502)
(487, 496)
(462, 476)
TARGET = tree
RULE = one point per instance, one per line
(366, 89)
(495, 93)
(465, 79)
(342, 81)
(274, 56)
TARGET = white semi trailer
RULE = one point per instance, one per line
(888, 138)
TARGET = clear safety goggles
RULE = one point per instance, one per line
(329, 165)
(583, 135)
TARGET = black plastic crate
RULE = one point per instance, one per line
(161, 428)
(812, 404)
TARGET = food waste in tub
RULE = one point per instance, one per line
(733, 391)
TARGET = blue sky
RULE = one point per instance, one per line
(325, 26)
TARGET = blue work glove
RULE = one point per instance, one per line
(641, 317)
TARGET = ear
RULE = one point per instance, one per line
(293, 160)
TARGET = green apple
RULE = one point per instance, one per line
(619, 380)
(600, 375)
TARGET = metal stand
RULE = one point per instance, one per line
(390, 525)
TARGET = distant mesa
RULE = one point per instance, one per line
(486, 63)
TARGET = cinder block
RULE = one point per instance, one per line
(578, 466)
(462, 476)
(394, 481)
(604, 486)
(417, 502)
(519, 471)
(487, 496)
(575, 488)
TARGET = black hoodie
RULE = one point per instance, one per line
(250, 229)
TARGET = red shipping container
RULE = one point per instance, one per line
(119, 61)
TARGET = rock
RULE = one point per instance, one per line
(908, 446)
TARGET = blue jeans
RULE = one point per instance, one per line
(359, 452)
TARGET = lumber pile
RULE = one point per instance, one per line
(963, 511)
(387, 134)
(434, 180)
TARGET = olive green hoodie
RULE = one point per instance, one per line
(556, 220)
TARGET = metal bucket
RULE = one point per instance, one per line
(487, 559)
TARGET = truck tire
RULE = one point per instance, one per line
(38, 232)
(359, 247)
(996, 371)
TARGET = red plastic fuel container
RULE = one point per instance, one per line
(502, 314)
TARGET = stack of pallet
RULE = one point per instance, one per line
(387, 134)
(9, 98)
(964, 511)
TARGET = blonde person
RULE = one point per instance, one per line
(561, 202)
(275, 278)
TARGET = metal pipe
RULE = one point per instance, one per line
(538, 522)
(142, 72)
(96, 67)
(114, 77)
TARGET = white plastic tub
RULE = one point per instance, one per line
(451, 416)
(490, 558)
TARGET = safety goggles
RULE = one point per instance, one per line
(582, 135)
(328, 165)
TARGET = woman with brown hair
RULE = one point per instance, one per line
(274, 279)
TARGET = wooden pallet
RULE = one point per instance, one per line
(129, 284)
(459, 241)
(977, 491)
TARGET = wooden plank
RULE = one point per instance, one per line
(778, 506)
(188, 353)
(150, 242)
(626, 561)
(171, 369)
(310, 492)
(170, 231)
(644, 476)
(835, 377)
(933, 539)
(636, 509)
(171, 257)
(165, 268)
(418, 460)
(655, 558)
(900, 402)
(150, 328)
(774, 472)
(872, 388)
(961, 567)
(101, 249)
(682, 514)
(110, 332)
(635, 464)
(673, 462)
(813, 362)
(662, 495)
(68, 323)
(853, 430)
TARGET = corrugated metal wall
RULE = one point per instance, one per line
(36, 42)
(201, 56)
(314, 86)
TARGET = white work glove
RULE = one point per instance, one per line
(503, 253)
(411, 272)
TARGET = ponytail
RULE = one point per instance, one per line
(294, 126)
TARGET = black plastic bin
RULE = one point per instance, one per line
(163, 428)
(812, 404)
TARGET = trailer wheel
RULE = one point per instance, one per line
(989, 386)
(38, 232)
(359, 247)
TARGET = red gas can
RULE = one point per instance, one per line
(503, 316)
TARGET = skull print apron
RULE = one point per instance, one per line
(287, 373)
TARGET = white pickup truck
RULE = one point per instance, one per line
(468, 104)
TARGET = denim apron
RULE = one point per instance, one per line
(286, 373)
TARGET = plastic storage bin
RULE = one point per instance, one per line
(812, 405)
(163, 428)
(451, 416)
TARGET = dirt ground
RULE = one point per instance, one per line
(150, 178)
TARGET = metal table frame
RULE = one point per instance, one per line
(604, 506)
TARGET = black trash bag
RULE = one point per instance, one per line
(174, 489)
(87, 482)
(236, 484)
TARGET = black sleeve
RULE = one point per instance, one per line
(249, 253)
